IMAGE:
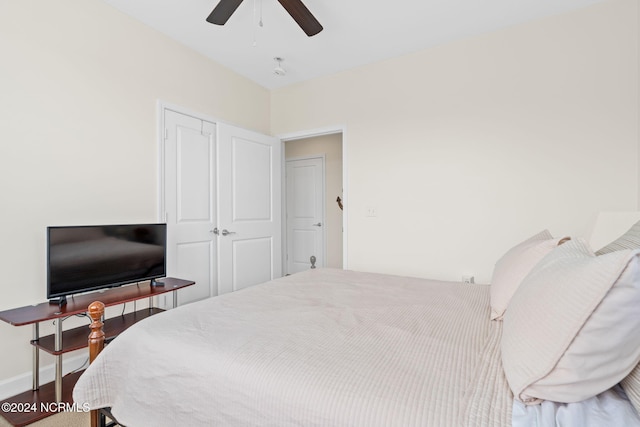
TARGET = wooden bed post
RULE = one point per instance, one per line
(96, 342)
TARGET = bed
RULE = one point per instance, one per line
(332, 347)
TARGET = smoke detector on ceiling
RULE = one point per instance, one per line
(279, 71)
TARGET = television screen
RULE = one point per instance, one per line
(85, 258)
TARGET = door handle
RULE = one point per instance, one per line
(215, 231)
(225, 232)
(319, 224)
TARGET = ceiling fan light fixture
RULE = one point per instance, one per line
(279, 71)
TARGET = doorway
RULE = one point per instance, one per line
(329, 147)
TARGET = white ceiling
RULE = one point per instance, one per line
(356, 32)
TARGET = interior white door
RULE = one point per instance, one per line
(190, 203)
(250, 241)
(249, 213)
(305, 213)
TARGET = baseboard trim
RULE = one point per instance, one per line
(23, 382)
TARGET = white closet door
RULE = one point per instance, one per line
(249, 208)
(190, 203)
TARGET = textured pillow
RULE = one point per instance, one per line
(571, 330)
(514, 266)
(629, 240)
(631, 386)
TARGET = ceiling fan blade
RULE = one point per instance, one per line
(223, 11)
(302, 16)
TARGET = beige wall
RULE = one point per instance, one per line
(79, 82)
(331, 147)
(467, 148)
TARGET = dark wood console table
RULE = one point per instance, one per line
(74, 339)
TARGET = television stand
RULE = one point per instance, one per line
(76, 338)
(58, 301)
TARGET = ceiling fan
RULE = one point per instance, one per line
(296, 9)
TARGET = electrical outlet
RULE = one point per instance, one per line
(468, 279)
(372, 211)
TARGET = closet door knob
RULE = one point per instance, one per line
(317, 225)
(225, 232)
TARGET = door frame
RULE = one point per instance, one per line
(324, 207)
(329, 130)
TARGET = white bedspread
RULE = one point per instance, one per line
(319, 348)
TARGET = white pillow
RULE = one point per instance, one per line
(514, 266)
(629, 240)
(571, 330)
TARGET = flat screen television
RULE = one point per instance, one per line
(90, 257)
